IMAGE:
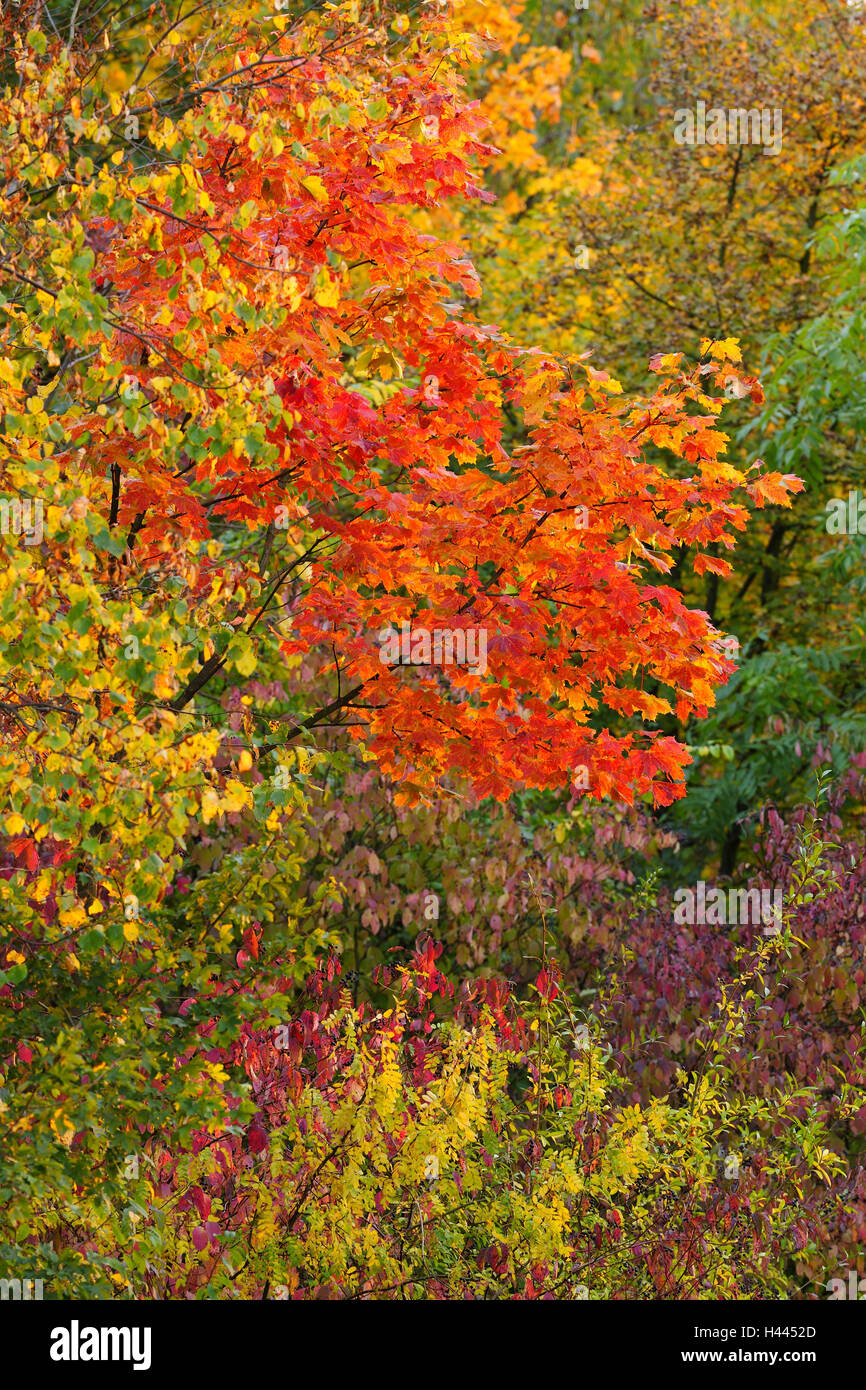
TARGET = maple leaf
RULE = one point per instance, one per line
(775, 488)
(712, 564)
(724, 347)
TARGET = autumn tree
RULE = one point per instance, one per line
(253, 422)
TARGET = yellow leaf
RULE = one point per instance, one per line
(315, 188)
(294, 291)
(327, 291)
(14, 824)
(62, 1128)
(236, 797)
(163, 686)
(724, 347)
(72, 917)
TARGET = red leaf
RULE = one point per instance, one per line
(202, 1202)
(257, 1139)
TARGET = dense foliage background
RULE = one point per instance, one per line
(326, 975)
